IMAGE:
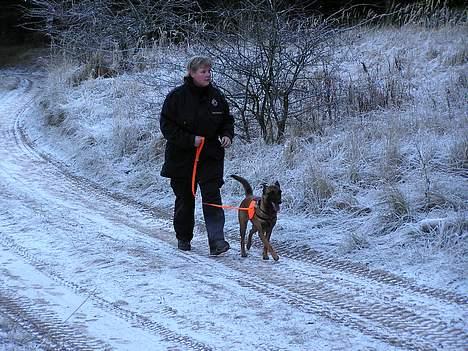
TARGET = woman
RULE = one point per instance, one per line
(191, 112)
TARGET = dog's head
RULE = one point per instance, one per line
(272, 195)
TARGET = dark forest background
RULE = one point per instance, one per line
(11, 14)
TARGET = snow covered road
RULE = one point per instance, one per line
(84, 269)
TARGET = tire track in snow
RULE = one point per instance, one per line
(44, 325)
(391, 323)
(309, 255)
(43, 322)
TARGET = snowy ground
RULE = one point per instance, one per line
(83, 269)
(86, 266)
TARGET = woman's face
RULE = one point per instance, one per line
(202, 76)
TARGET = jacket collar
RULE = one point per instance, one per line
(200, 91)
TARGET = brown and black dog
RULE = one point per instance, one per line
(263, 215)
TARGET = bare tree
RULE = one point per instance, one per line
(265, 54)
(85, 29)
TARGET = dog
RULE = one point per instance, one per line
(263, 215)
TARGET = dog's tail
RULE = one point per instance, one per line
(245, 183)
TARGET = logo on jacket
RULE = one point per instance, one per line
(214, 102)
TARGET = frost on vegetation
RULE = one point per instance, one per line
(345, 201)
(449, 234)
(458, 154)
(13, 337)
(54, 116)
(355, 148)
(390, 119)
(397, 210)
(317, 188)
(353, 242)
(392, 161)
(291, 153)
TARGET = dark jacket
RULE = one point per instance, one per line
(188, 111)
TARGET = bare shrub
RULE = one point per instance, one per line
(264, 54)
(425, 156)
(111, 29)
(379, 88)
(331, 95)
(323, 100)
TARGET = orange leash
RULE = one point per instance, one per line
(195, 164)
(250, 210)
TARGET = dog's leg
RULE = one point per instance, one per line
(251, 233)
(273, 254)
(265, 253)
(243, 228)
(267, 247)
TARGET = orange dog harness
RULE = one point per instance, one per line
(251, 208)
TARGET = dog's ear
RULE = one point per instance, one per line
(264, 186)
(278, 184)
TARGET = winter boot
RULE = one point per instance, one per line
(218, 247)
(184, 245)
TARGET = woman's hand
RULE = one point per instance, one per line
(198, 140)
(225, 142)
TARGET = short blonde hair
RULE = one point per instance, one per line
(196, 62)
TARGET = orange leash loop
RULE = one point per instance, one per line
(195, 164)
(250, 210)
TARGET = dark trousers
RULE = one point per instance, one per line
(184, 209)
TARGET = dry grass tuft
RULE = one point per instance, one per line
(458, 155)
(353, 242)
(448, 234)
(317, 188)
(397, 211)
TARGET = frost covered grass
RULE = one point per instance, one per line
(14, 338)
(8, 84)
(385, 184)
